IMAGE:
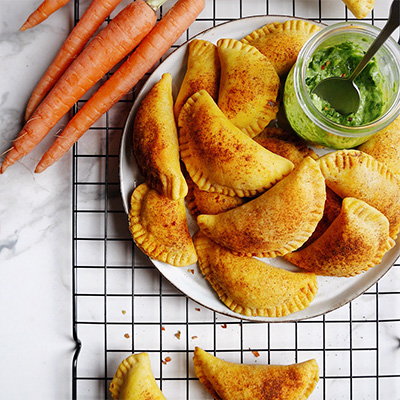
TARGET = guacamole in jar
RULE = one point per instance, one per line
(340, 60)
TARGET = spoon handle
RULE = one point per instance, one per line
(392, 23)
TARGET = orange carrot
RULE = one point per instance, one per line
(44, 11)
(109, 47)
(156, 43)
(88, 24)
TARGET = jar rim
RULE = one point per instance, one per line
(305, 54)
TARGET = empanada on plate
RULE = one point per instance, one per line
(352, 173)
(219, 157)
(134, 380)
(275, 223)
(249, 85)
(202, 202)
(384, 146)
(159, 227)
(203, 72)
(281, 42)
(360, 8)
(231, 381)
(355, 242)
(251, 287)
(155, 141)
(287, 145)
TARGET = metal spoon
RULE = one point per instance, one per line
(342, 93)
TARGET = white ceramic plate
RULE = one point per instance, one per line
(332, 293)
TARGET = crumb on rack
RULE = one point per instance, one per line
(178, 334)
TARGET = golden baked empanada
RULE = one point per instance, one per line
(352, 173)
(134, 380)
(287, 145)
(333, 205)
(203, 72)
(360, 8)
(275, 223)
(155, 141)
(251, 287)
(202, 202)
(231, 381)
(355, 242)
(219, 157)
(249, 85)
(281, 42)
(384, 146)
(159, 227)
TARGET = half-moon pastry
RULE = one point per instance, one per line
(355, 242)
(155, 141)
(134, 380)
(281, 42)
(360, 8)
(287, 145)
(251, 287)
(202, 202)
(219, 157)
(248, 88)
(231, 381)
(384, 146)
(203, 72)
(275, 223)
(352, 173)
(159, 227)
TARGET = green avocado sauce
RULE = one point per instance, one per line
(340, 60)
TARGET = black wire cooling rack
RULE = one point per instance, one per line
(122, 305)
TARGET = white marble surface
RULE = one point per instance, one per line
(36, 345)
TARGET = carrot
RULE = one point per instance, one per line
(44, 11)
(156, 43)
(110, 46)
(88, 24)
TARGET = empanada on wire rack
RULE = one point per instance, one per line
(275, 223)
(249, 85)
(219, 157)
(353, 173)
(252, 287)
(281, 42)
(227, 381)
(159, 227)
(134, 380)
(355, 242)
(360, 8)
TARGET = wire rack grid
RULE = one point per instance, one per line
(122, 305)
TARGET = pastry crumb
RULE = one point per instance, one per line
(178, 334)
(224, 326)
(127, 335)
(194, 337)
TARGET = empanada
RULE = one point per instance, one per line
(251, 287)
(155, 141)
(352, 173)
(202, 202)
(355, 242)
(134, 380)
(281, 42)
(219, 157)
(159, 227)
(384, 146)
(360, 8)
(203, 72)
(231, 381)
(275, 223)
(249, 85)
(287, 145)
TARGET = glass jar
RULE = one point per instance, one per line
(311, 124)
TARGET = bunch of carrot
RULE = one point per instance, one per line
(78, 66)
